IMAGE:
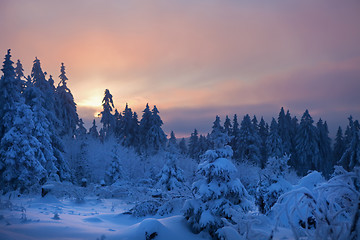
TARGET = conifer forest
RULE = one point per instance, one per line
(124, 178)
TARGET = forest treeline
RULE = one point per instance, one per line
(37, 117)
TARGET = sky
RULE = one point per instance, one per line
(195, 59)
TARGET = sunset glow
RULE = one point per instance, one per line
(204, 58)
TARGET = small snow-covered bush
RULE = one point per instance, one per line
(145, 208)
(327, 210)
(171, 176)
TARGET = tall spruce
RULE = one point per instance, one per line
(249, 142)
(351, 156)
(307, 145)
(324, 147)
(339, 145)
(107, 119)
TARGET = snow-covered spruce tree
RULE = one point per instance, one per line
(284, 126)
(67, 107)
(19, 71)
(227, 125)
(40, 96)
(235, 134)
(171, 176)
(194, 145)
(274, 142)
(155, 137)
(307, 145)
(218, 195)
(21, 157)
(80, 132)
(172, 144)
(272, 183)
(263, 133)
(183, 147)
(339, 146)
(324, 147)
(249, 142)
(93, 131)
(127, 130)
(351, 156)
(10, 94)
(107, 119)
(145, 125)
(115, 171)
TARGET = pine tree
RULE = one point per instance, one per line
(81, 130)
(126, 133)
(107, 119)
(156, 137)
(249, 142)
(307, 146)
(115, 171)
(219, 196)
(235, 134)
(183, 147)
(10, 94)
(263, 133)
(273, 142)
(21, 159)
(93, 131)
(339, 145)
(227, 126)
(145, 125)
(172, 143)
(171, 176)
(194, 145)
(19, 71)
(324, 147)
(351, 156)
(67, 109)
(284, 122)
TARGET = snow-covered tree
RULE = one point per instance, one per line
(107, 119)
(19, 71)
(339, 145)
(93, 131)
(67, 107)
(183, 147)
(145, 125)
(324, 147)
(194, 145)
(284, 126)
(172, 143)
(272, 183)
(263, 133)
(249, 142)
(156, 138)
(171, 176)
(115, 171)
(80, 132)
(228, 125)
(307, 146)
(10, 94)
(274, 142)
(219, 196)
(235, 134)
(22, 159)
(351, 156)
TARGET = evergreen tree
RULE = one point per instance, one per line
(171, 176)
(115, 171)
(10, 94)
(228, 126)
(172, 144)
(107, 119)
(351, 156)
(67, 109)
(19, 71)
(219, 196)
(235, 134)
(339, 145)
(307, 146)
(156, 137)
(21, 159)
(81, 130)
(194, 145)
(284, 130)
(126, 127)
(263, 133)
(145, 125)
(324, 147)
(93, 131)
(183, 147)
(273, 142)
(249, 142)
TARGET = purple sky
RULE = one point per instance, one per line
(196, 59)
